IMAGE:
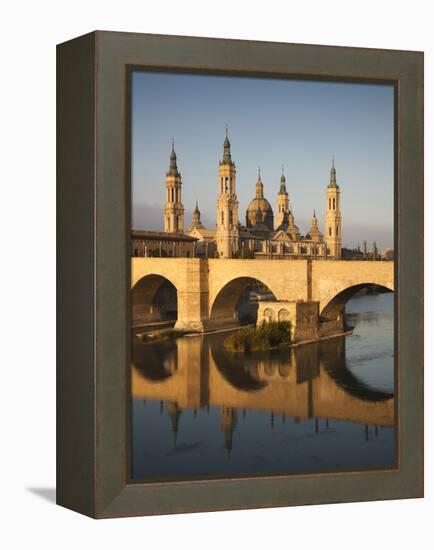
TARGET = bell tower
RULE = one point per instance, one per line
(333, 223)
(227, 235)
(174, 210)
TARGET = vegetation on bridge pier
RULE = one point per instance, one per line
(266, 336)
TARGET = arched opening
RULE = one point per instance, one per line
(269, 315)
(237, 301)
(332, 317)
(283, 315)
(154, 301)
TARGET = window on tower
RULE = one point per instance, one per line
(330, 231)
(334, 204)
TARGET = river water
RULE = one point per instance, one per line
(199, 411)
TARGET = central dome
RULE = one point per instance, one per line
(262, 204)
(259, 211)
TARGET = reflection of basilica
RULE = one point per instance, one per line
(306, 382)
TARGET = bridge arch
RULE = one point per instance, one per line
(334, 308)
(154, 298)
(226, 303)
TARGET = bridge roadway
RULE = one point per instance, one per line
(209, 289)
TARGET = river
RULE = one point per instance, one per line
(199, 411)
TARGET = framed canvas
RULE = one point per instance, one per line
(240, 274)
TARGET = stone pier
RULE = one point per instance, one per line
(302, 316)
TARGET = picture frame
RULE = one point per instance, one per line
(93, 281)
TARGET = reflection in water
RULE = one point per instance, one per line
(199, 410)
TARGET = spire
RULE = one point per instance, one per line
(333, 175)
(259, 186)
(227, 159)
(196, 216)
(314, 233)
(173, 167)
(196, 223)
(282, 190)
(284, 223)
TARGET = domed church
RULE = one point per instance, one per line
(264, 235)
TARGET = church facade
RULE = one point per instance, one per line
(265, 233)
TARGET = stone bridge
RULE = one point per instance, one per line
(208, 290)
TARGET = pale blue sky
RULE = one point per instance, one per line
(300, 124)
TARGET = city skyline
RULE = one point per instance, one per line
(302, 124)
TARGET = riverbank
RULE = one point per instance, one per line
(348, 332)
(168, 334)
(161, 335)
(259, 340)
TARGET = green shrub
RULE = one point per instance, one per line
(264, 337)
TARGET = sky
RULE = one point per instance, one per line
(272, 122)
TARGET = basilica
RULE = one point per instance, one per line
(264, 234)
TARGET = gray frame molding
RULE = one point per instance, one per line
(93, 271)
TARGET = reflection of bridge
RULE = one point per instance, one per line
(208, 290)
(305, 382)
